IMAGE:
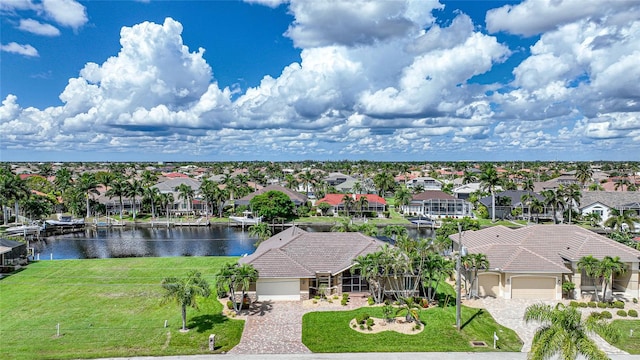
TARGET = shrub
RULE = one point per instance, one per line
(354, 326)
(343, 302)
(361, 327)
(370, 322)
(330, 301)
(222, 293)
(606, 315)
(602, 305)
(592, 304)
(596, 315)
(317, 297)
(635, 300)
(582, 304)
(610, 305)
(362, 318)
(417, 326)
(370, 301)
(387, 312)
(632, 313)
(345, 296)
(573, 303)
(230, 305)
(618, 304)
(621, 313)
(315, 301)
(335, 297)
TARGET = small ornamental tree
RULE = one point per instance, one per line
(273, 204)
(235, 277)
(185, 292)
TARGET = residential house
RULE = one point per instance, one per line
(436, 204)
(297, 198)
(532, 262)
(510, 200)
(295, 264)
(565, 179)
(426, 182)
(181, 205)
(464, 191)
(375, 203)
(601, 202)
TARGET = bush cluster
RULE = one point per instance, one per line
(370, 300)
(632, 313)
(345, 299)
(606, 315)
(362, 318)
(621, 313)
(230, 305)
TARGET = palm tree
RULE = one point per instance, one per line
(571, 195)
(149, 178)
(185, 292)
(621, 183)
(608, 267)
(344, 225)
(591, 268)
(152, 195)
(166, 200)
(307, 178)
(553, 198)
(261, 230)
(233, 277)
(134, 188)
(620, 217)
(88, 185)
(357, 187)
(63, 179)
(186, 193)
(402, 197)
(468, 177)
(13, 189)
(409, 305)
(394, 231)
(362, 203)
(347, 203)
(489, 180)
(584, 173)
(291, 181)
(594, 218)
(118, 188)
(384, 182)
(564, 334)
(370, 269)
(473, 263)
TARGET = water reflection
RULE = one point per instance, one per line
(159, 242)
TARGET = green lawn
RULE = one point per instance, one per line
(627, 342)
(330, 332)
(107, 308)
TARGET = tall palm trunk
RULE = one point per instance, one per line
(184, 317)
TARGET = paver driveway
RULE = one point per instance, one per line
(276, 327)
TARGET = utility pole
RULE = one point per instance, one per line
(461, 252)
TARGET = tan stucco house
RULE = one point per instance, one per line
(532, 262)
(295, 264)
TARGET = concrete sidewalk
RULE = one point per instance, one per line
(367, 356)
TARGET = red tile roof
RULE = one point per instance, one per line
(336, 199)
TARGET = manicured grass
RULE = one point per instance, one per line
(330, 332)
(488, 223)
(628, 343)
(108, 308)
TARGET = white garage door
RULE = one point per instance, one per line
(488, 285)
(533, 287)
(278, 289)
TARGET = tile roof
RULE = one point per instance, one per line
(432, 195)
(611, 199)
(336, 199)
(296, 197)
(297, 253)
(542, 248)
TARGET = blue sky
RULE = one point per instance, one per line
(325, 80)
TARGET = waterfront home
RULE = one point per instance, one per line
(436, 204)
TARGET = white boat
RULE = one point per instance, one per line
(65, 220)
(24, 230)
(247, 218)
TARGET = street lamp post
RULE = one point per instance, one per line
(462, 251)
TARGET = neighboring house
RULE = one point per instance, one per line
(601, 202)
(564, 180)
(341, 182)
(532, 262)
(375, 203)
(436, 204)
(179, 204)
(427, 183)
(464, 191)
(12, 253)
(507, 201)
(297, 198)
(295, 264)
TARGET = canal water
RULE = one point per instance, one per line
(158, 242)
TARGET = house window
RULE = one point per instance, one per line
(353, 282)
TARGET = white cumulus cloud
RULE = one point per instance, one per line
(38, 28)
(22, 49)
